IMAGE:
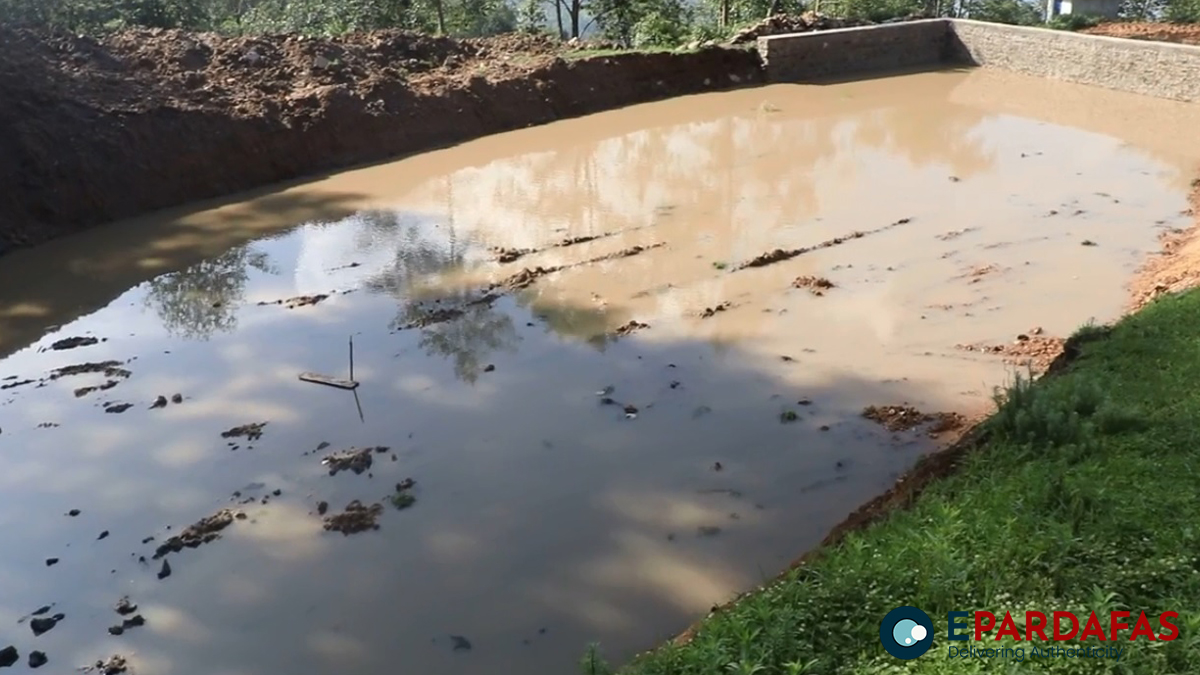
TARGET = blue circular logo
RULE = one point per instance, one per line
(906, 633)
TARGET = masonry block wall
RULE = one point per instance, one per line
(1140, 67)
(1157, 69)
(805, 57)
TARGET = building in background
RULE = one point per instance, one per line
(1108, 9)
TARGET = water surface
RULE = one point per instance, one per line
(544, 518)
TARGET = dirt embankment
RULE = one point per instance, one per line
(102, 129)
(1188, 34)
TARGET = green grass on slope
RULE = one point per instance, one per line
(1087, 497)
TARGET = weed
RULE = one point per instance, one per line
(592, 663)
(402, 499)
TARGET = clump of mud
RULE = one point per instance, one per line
(45, 624)
(780, 255)
(298, 301)
(13, 383)
(356, 518)
(251, 432)
(84, 391)
(110, 369)
(955, 234)
(710, 312)
(202, 531)
(815, 285)
(1031, 350)
(74, 343)
(630, 328)
(435, 316)
(357, 460)
(946, 422)
(515, 282)
(113, 665)
(527, 277)
(897, 418)
(977, 273)
(508, 255)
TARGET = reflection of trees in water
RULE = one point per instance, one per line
(752, 173)
(943, 136)
(569, 320)
(415, 256)
(203, 299)
(418, 258)
(469, 339)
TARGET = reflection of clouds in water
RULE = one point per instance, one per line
(385, 245)
(174, 622)
(649, 564)
(337, 648)
(285, 531)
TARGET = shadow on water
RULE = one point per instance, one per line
(59, 281)
(545, 518)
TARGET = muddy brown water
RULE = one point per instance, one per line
(545, 519)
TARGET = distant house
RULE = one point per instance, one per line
(1109, 9)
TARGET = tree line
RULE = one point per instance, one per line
(634, 23)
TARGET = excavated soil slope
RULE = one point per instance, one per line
(1188, 34)
(102, 129)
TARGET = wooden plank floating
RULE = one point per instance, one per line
(330, 381)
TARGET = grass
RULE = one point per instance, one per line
(1083, 498)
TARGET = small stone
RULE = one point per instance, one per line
(177, 398)
(165, 571)
(74, 512)
(322, 507)
(50, 562)
(103, 535)
(116, 630)
(8, 656)
(125, 607)
(38, 659)
(160, 402)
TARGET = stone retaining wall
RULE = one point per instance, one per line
(844, 52)
(1157, 69)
